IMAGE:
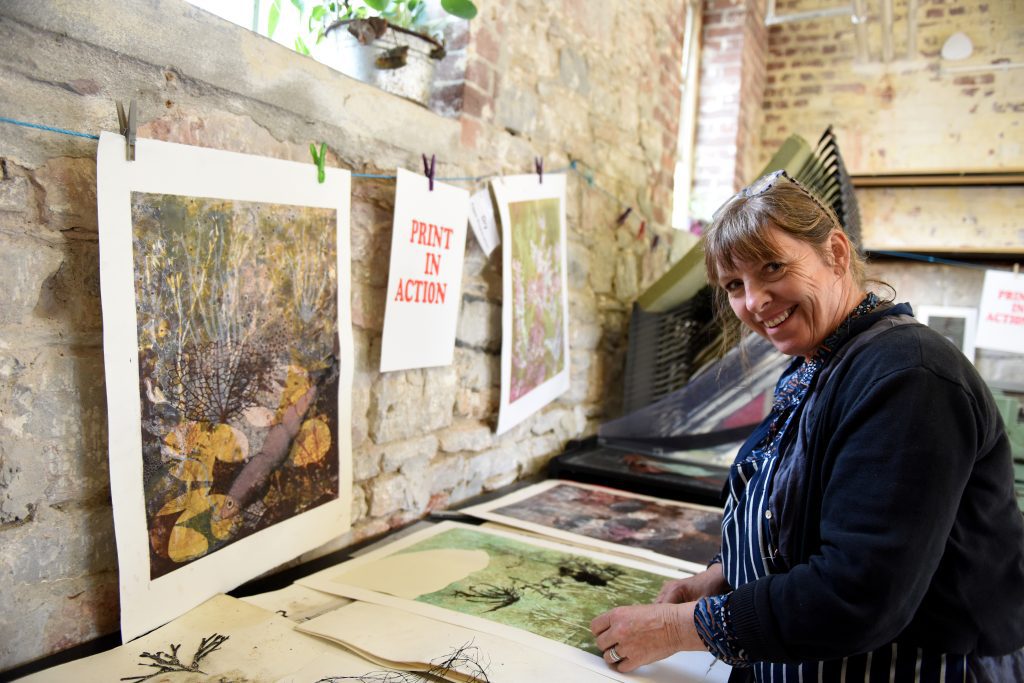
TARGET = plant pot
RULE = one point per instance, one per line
(340, 50)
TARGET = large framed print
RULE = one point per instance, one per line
(530, 591)
(681, 535)
(535, 295)
(228, 351)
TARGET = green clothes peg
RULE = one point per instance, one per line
(319, 160)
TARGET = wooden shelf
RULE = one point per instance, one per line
(952, 179)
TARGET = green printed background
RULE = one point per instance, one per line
(546, 592)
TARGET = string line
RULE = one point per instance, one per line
(40, 126)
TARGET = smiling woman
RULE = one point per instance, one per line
(844, 552)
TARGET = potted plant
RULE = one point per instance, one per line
(393, 44)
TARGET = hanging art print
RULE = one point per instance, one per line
(535, 298)
(228, 352)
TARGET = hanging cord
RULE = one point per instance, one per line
(40, 126)
(586, 172)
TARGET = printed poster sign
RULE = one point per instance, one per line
(1001, 313)
(428, 244)
(535, 298)
(228, 352)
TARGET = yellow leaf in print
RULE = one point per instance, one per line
(186, 544)
(311, 443)
(229, 444)
(188, 445)
(174, 505)
(295, 386)
(197, 501)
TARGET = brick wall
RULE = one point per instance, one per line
(732, 82)
(914, 113)
(596, 82)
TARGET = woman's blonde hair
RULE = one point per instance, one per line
(740, 230)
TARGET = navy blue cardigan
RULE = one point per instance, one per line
(899, 521)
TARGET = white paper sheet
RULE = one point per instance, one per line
(428, 244)
(296, 603)
(568, 603)
(260, 646)
(483, 221)
(401, 639)
(198, 524)
(1001, 312)
(535, 295)
(655, 523)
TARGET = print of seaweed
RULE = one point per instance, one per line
(590, 573)
(503, 596)
(168, 663)
(220, 379)
(465, 660)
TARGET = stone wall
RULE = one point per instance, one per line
(595, 82)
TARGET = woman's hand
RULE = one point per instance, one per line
(709, 582)
(641, 634)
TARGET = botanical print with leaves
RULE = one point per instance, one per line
(537, 324)
(691, 533)
(238, 368)
(543, 591)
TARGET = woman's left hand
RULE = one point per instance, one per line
(641, 634)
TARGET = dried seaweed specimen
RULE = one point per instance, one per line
(168, 663)
(466, 660)
(215, 381)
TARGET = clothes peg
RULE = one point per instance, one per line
(643, 228)
(624, 215)
(127, 125)
(319, 159)
(538, 163)
(1016, 269)
(428, 170)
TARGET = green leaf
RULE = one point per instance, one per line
(378, 5)
(317, 13)
(463, 9)
(299, 6)
(300, 46)
(273, 16)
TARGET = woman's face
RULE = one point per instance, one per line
(794, 302)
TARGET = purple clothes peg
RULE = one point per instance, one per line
(428, 170)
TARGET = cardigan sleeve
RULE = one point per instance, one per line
(897, 442)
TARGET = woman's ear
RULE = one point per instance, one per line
(839, 246)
